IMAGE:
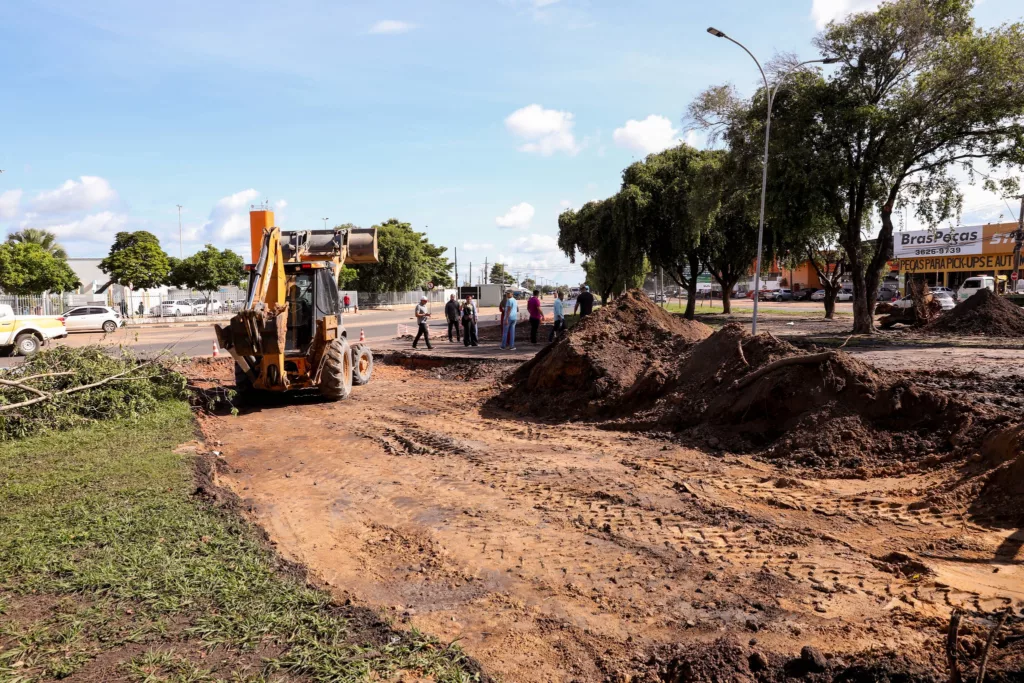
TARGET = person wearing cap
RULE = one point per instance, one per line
(422, 314)
(584, 303)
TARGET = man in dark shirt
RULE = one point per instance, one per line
(584, 303)
(452, 315)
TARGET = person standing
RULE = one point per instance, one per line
(536, 315)
(422, 314)
(451, 314)
(584, 303)
(348, 302)
(559, 327)
(508, 331)
(469, 323)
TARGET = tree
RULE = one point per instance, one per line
(500, 276)
(529, 283)
(919, 91)
(136, 260)
(44, 238)
(27, 268)
(726, 198)
(207, 270)
(407, 260)
(664, 217)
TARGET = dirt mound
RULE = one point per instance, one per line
(826, 410)
(984, 313)
(624, 351)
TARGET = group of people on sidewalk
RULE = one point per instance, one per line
(464, 316)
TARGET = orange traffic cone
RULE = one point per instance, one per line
(216, 351)
(362, 335)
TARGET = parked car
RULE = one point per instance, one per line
(945, 300)
(947, 290)
(92, 319)
(888, 294)
(844, 295)
(783, 295)
(204, 307)
(804, 294)
(973, 285)
(177, 307)
(24, 334)
(819, 295)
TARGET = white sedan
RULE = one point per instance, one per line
(92, 319)
(176, 308)
(841, 295)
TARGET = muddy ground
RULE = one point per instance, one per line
(564, 552)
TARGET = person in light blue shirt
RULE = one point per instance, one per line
(558, 329)
(508, 333)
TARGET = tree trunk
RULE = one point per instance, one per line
(830, 303)
(691, 285)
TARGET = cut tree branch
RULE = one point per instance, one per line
(811, 359)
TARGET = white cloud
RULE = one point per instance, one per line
(653, 134)
(100, 227)
(545, 131)
(565, 204)
(534, 244)
(519, 216)
(477, 246)
(280, 204)
(824, 11)
(544, 3)
(229, 218)
(391, 26)
(90, 192)
(9, 203)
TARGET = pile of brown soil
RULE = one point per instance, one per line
(985, 313)
(622, 353)
(828, 410)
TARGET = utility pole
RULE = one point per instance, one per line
(457, 295)
(325, 223)
(486, 274)
(1017, 245)
(470, 273)
(181, 251)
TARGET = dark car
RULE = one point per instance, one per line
(803, 294)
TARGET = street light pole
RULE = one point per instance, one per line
(181, 251)
(325, 223)
(764, 169)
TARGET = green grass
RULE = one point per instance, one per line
(716, 309)
(104, 549)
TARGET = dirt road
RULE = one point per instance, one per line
(560, 552)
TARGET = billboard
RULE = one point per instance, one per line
(962, 241)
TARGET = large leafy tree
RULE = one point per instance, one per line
(27, 268)
(44, 238)
(207, 270)
(499, 275)
(407, 260)
(136, 260)
(919, 92)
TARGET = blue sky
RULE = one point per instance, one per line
(475, 120)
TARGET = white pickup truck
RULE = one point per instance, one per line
(26, 333)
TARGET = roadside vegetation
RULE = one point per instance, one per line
(112, 568)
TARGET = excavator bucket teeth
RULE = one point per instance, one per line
(241, 334)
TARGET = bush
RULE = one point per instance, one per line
(137, 390)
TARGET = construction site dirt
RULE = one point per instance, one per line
(565, 547)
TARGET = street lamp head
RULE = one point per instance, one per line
(715, 32)
(831, 60)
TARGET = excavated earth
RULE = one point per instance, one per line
(984, 313)
(595, 547)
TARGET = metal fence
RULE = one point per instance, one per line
(50, 304)
(385, 299)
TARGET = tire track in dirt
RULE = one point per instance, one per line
(555, 552)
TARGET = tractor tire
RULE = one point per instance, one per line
(243, 385)
(362, 364)
(336, 378)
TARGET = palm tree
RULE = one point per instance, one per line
(44, 238)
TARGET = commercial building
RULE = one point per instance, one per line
(948, 256)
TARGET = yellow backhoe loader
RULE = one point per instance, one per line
(289, 334)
